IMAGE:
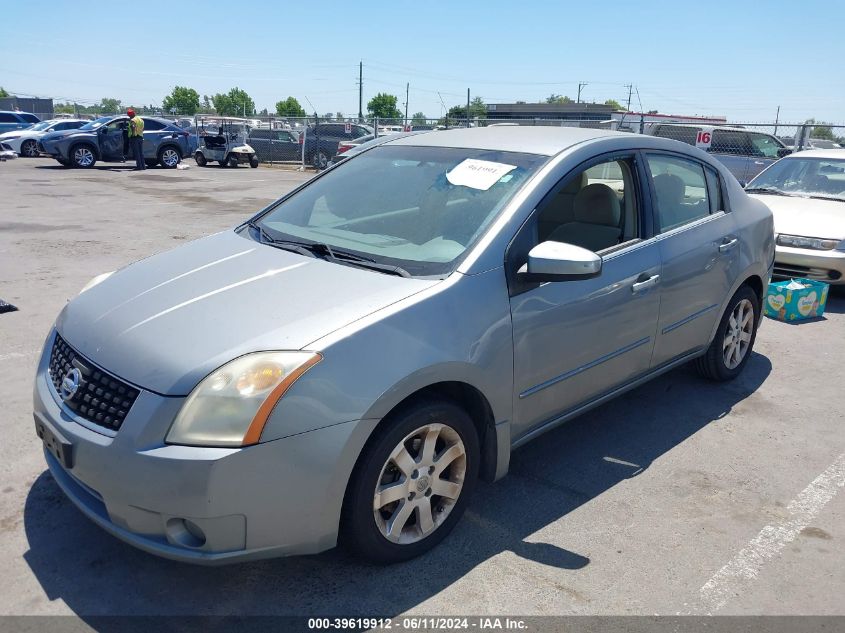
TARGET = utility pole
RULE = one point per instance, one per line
(467, 107)
(581, 84)
(360, 91)
(630, 88)
(407, 92)
(777, 118)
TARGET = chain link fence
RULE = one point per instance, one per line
(313, 142)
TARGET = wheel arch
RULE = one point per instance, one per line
(175, 146)
(752, 278)
(467, 396)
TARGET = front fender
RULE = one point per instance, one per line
(458, 330)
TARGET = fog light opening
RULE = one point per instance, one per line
(185, 532)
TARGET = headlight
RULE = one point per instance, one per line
(814, 243)
(6, 139)
(96, 280)
(231, 405)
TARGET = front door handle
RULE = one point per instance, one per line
(728, 245)
(645, 284)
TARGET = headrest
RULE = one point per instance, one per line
(597, 204)
(670, 189)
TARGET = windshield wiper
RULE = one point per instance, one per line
(357, 260)
(834, 198)
(771, 190)
(266, 238)
(315, 249)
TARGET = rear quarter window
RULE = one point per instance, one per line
(152, 125)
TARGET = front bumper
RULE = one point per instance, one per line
(827, 266)
(198, 504)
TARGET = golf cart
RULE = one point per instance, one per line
(223, 139)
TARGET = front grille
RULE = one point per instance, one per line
(100, 398)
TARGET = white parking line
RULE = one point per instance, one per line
(13, 355)
(743, 568)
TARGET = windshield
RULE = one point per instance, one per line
(812, 177)
(93, 125)
(420, 208)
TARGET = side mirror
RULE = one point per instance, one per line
(784, 151)
(556, 261)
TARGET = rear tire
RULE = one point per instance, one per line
(200, 159)
(734, 341)
(29, 149)
(169, 157)
(320, 160)
(392, 510)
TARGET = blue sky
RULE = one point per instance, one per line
(740, 59)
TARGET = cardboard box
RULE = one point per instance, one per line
(786, 304)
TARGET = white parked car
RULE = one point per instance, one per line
(806, 193)
(25, 142)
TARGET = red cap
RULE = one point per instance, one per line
(130, 112)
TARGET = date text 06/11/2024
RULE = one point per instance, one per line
(418, 623)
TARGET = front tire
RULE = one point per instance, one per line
(29, 149)
(253, 162)
(412, 482)
(232, 161)
(731, 347)
(82, 156)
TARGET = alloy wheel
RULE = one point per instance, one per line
(419, 483)
(170, 157)
(83, 157)
(738, 333)
(29, 149)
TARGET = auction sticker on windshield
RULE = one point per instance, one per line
(478, 174)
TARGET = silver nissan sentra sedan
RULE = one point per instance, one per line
(345, 365)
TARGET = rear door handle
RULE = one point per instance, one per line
(726, 246)
(645, 284)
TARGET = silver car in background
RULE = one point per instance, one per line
(806, 193)
(25, 142)
(346, 364)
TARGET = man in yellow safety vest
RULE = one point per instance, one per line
(136, 138)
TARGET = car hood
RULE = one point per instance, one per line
(165, 322)
(55, 136)
(809, 217)
(11, 134)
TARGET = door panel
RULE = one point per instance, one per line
(699, 251)
(576, 339)
(111, 141)
(695, 281)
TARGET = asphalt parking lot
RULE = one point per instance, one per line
(681, 497)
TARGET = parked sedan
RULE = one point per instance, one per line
(806, 193)
(347, 363)
(106, 139)
(25, 142)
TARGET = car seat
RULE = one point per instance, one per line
(597, 214)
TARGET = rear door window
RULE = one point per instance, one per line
(151, 125)
(680, 190)
(8, 117)
(29, 118)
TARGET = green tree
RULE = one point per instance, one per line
(289, 108)
(477, 110)
(3, 93)
(613, 103)
(418, 119)
(110, 106)
(185, 101)
(236, 102)
(558, 99)
(383, 106)
(821, 131)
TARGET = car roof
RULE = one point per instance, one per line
(542, 140)
(820, 153)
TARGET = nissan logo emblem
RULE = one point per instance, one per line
(70, 384)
